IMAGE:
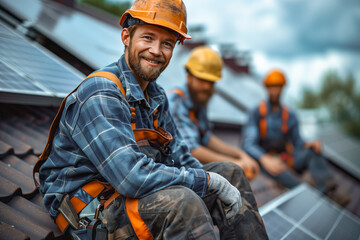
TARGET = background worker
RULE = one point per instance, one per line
(188, 106)
(272, 137)
(119, 163)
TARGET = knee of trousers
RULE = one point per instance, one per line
(185, 201)
(233, 173)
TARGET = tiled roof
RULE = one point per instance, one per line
(23, 133)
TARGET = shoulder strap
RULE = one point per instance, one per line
(45, 154)
(285, 119)
(178, 92)
(263, 124)
(262, 121)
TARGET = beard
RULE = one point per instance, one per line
(274, 101)
(149, 74)
(197, 100)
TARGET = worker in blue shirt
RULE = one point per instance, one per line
(188, 105)
(115, 165)
(272, 137)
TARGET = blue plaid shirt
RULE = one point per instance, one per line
(180, 107)
(251, 132)
(95, 140)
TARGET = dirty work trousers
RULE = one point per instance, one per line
(176, 212)
(304, 159)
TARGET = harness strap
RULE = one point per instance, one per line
(263, 123)
(285, 119)
(93, 189)
(178, 92)
(287, 156)
(139, 226)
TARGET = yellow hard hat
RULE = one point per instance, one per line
(170, 14)
(205, 63)
(275, 77)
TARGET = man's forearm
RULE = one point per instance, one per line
(206, 155)
(217, 145)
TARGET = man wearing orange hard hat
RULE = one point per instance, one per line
(115, 165)
(272, 137)
(188, 106)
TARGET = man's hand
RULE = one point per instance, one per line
(273, 164)
(250, 166)
(226, 192)
(315, 145)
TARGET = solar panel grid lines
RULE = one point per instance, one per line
(298, 224)
(304, 213)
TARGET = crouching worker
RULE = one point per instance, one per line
(272, 137)
(115, 167)
(188, 105)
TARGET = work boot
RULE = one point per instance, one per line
(340, 196)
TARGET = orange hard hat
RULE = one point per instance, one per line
(275, 77)
(170, 14)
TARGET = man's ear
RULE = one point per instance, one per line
(125, 37)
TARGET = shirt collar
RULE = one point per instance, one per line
(134, 92)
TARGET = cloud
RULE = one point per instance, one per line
(323, 25)
(281, 28)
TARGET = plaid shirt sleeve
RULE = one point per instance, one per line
(102, 130)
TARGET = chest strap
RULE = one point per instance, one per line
(263, 124)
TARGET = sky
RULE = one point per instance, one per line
(304, 38)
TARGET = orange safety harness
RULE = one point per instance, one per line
(286, 156)
(94, 188)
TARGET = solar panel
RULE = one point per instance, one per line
(74, 31)
(304, 213)
(11, 80)
(6, 32)
(27, 69)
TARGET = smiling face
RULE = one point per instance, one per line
(148, 51)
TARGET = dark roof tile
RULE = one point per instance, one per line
(20, 148)
(19, 165)
(9, 232)
(5, 149)
(25, 182)
(35, 213)
(8, 189)
(24, 135)
(21, 222)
